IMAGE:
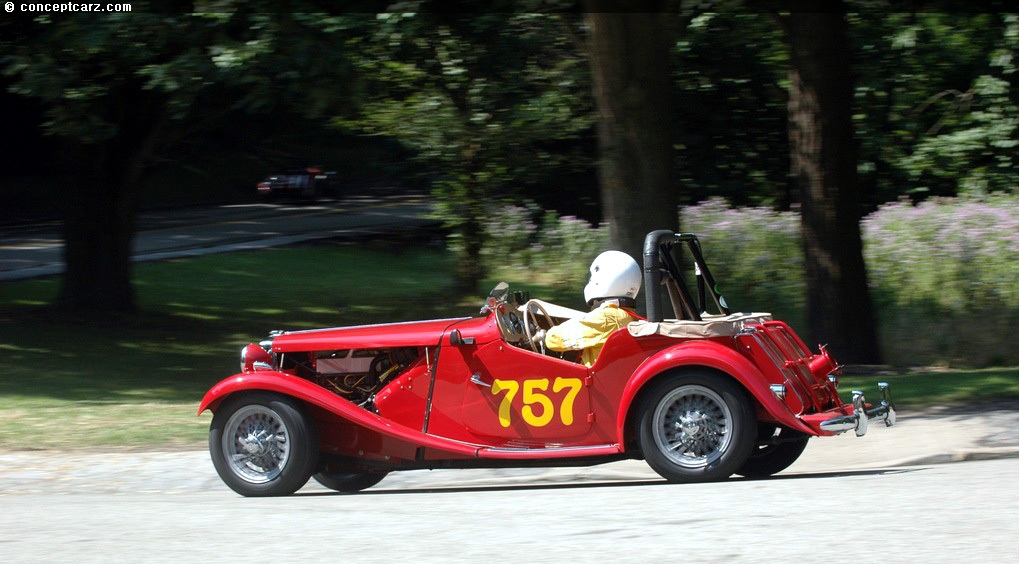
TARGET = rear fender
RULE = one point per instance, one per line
(311, 393)
(710, 355)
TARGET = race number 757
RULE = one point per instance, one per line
(538, 409)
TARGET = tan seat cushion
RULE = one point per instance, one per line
(710, 326)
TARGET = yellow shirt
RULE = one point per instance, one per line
(588, 333)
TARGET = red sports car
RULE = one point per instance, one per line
(700, 396)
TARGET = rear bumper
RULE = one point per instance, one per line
(862, 414)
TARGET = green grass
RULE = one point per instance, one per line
(912, 390)
(135, 381)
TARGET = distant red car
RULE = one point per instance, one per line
(306, 183)
(699, 396)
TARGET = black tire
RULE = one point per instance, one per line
(263, 444)
(705, 413)
(782, 449)
(349, 482)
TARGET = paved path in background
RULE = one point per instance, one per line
(29, 251)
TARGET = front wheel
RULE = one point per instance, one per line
(696, 427)
(263, 444)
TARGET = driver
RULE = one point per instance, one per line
(611, 292)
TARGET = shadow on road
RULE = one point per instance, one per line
(494, 488)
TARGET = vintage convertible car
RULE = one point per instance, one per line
(699, 396)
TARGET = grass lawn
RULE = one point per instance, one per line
(135, 381)
(927, 388)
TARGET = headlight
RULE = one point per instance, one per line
(252, 354)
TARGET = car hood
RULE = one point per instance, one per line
(409, 334)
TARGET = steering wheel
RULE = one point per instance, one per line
(533, 323)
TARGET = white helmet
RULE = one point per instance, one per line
(614, 274)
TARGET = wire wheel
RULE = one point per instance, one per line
(257, 444)
(696, 427)
(262, 445)
(692, 426)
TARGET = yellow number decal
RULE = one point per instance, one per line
(531, 397)
(510, 387)
(566, 409)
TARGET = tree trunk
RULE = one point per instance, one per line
(469, 268)
(98, 231)
(100, 212)
(629, 54)
(824, 160)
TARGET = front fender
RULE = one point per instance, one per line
(263, 380)
(711, 355)
(313, 394)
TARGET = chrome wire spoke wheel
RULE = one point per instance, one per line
(257, 444)
(692, 426)
(263, 443)
(695, 425)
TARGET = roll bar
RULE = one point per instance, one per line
(662, 268)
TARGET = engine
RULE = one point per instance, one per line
(355, 374)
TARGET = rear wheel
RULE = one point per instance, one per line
(263, 444)
(349, 482)
(696, 427)
(778, 449)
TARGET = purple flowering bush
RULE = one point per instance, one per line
(524, 243)
(577, 243)
(944, 274)
(754, 254)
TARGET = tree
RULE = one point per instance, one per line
(970, 148)
(823, 161)
(121, 90)
(933, 109)
(482, 98)
(629, 55)
(731, 110)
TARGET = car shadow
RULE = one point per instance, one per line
(518, 487)
(835, 474)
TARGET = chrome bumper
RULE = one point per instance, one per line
(861, 416)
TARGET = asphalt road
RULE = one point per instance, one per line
(938, 513)
(28, 251)
(940, 486)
